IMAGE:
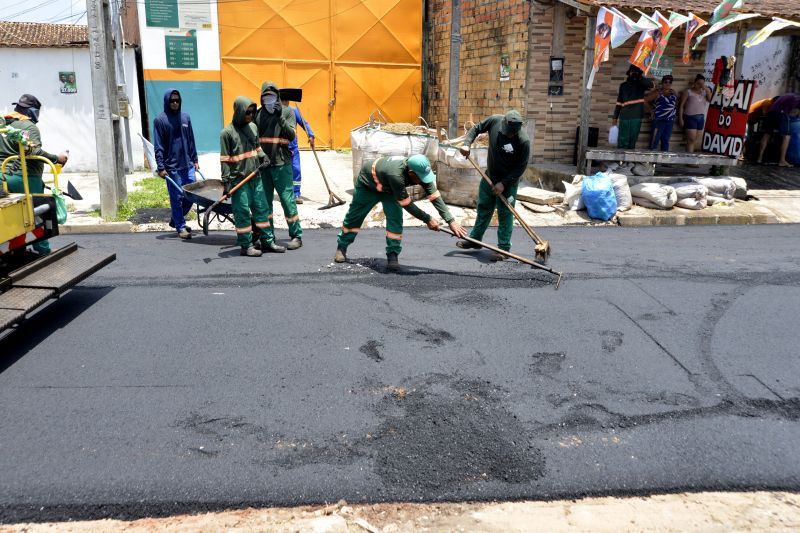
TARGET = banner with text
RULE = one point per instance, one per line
(726, 122)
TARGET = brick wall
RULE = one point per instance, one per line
(492, 28)
(489, 30)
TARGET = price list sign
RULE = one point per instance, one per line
(181, 50)
(161, 13)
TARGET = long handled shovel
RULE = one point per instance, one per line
(229, 194)
(509, 254)
(541, 246)
(333, 199)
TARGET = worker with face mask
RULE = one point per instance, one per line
(276, 129)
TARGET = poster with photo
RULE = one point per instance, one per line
(66, 82)
(505, 67)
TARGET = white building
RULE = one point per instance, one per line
(36, 58)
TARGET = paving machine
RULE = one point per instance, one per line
(27, 280)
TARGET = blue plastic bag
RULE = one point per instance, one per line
(598, 195)
(793, 153)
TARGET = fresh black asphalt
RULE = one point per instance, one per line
(184, 377)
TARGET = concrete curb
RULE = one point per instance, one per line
(96, 227)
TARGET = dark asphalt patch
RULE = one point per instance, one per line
(448, 433)
(372, 350)
(147, 215)
(611, 340)
(547, 363)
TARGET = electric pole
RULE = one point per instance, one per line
(107, 129)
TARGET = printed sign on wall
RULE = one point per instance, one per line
(66, 82)
(726, 121)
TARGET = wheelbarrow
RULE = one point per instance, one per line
(204, 194)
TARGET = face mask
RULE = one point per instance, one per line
(269, 101)
(33, 114)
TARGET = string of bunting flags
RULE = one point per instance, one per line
(614, 28)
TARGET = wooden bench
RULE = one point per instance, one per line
(652, 156)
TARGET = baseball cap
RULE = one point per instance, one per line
(420, 166)
(28, 100)
(512, 122)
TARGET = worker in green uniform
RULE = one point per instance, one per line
(385, 180)
(240, 154)
(630, 107)
(509, 150)
(276, 129)
(24, 117)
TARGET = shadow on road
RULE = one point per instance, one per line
(54, 316)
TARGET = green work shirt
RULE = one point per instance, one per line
(8, 148)
(389, 175)
(508, 156)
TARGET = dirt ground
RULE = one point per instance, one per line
(748, 511)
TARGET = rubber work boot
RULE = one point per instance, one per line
(184, 233)
(251, 251)
(392, 263)
(273, 247)
(294, 244)
(497, 257)
(298, 200)
(340, 256)
(466, 245)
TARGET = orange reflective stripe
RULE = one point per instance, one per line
(247, 229)
(350, 230)
(293, 219)
(273, 140)
(631, 102)
(434, 196)
(262, 224)
(240, 157)
(224, 158)
(394, 236)
(375, 175)
(404, 202)
(269, 216)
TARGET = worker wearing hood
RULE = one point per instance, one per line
(276, 129)
(240, 154)
(176, 156)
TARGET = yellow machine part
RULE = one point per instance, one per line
(350, 57)
(14, 217)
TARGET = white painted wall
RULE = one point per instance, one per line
(67, 120)
(767, 63)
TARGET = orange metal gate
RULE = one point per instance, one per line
(350, 57)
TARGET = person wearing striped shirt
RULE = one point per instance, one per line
(276, 129)
(240, 154)
(665, 107)
(385, 180)
(629, 110)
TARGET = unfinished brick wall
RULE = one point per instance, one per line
(489, 30)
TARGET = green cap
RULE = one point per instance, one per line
(420, 165)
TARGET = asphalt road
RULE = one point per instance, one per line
(184, 377)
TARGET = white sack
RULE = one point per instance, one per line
(643, 169)
(622, 191)
(370, 142)
(654, 195)
(692, 203)
(573, 194)
(690, 190)
(724, 187)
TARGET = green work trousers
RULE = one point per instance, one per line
(487, 203)
(628, 132)
(362, 203)
(36, 186)
(279, 179)
(250, 209)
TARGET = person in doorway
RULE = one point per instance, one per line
(629, 110)
(664, 102)
(509, 150)
(240, 153)
(276, 130)
(692, 109)
(176, 157)
(778, 120)
(293, 147)
(385, 180)
(24, 117)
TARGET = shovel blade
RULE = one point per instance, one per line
(72, 192)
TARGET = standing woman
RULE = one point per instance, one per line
(692, 112)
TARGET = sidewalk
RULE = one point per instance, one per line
(781, 205)
(705, 511)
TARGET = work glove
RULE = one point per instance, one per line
(226, 187)
(464, 150)
(263, 160)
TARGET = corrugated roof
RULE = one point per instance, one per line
(40, 35)
(768, 8)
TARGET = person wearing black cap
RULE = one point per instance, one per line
(509, 150)
(630, 107)
(24, 117)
